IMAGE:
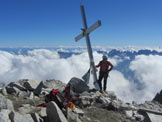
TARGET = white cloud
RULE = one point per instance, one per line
(42, 64)
(122, 87)
(148, 71)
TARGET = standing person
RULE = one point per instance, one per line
(105, 68)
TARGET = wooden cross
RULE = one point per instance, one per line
(85, 33)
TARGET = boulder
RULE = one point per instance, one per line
(103, 100)
(6, 103)
(31, 96)
(129, 113)
(2, 85)
(54, 114)
(86, 101)
(77, 85)
(4, 115)
(4, 91)
(10, 90)
(25, 84)
(38, 89)
(110, 94)
(139, 117)
(45, 91)
(54, 84)
(36, 117)
(158, 97)
(42, 113)
(79, 111)
(72, 116)
(114, 106)
(23, 94)
(27, 108)
(31, 84)
(18, 85)
(150, 117)
(17, 117)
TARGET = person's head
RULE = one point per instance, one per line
(104, 57)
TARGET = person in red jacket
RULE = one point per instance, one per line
(105, 68)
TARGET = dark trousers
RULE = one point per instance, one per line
(101, 76)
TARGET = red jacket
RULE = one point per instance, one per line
(105, 66)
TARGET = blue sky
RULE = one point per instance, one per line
(57, 22)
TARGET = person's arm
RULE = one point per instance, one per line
(111, 66)
(98, 64)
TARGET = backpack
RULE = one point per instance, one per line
(57, 97)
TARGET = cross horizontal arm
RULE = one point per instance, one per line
(88, 31)
(79, 37)
(93, 27)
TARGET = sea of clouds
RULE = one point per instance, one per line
(43, 64)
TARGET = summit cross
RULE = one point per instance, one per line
(85, 33)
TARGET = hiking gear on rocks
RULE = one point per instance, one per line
(69, 95)
(56, 96)
(70, 105)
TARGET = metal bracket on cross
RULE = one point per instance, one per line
(88, 30)
(85, 33)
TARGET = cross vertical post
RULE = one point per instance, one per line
(85, 33)
(92, 65)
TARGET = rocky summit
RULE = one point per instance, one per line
(26, 101)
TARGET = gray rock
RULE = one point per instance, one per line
(72, 116)
(2, 85)
(77, 85)
(79, 111)
(42, 112)
(54, 114)
(4, 115)
(150, 117)
(31, 96)
(38, 89)
(115, 106)
(45, 91)
(10, 90)
(31, 84)
(139, 117)
(36, 117)
(24, 94)
(158, 97)
(124, 106)
(129, 113)
(103, 100)
(54, 84)
(18, 84)
(4, 91)
(24, 84)
(6, 103)
(110, 94)
(86, 101)
(17, 117)
(27, 108)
